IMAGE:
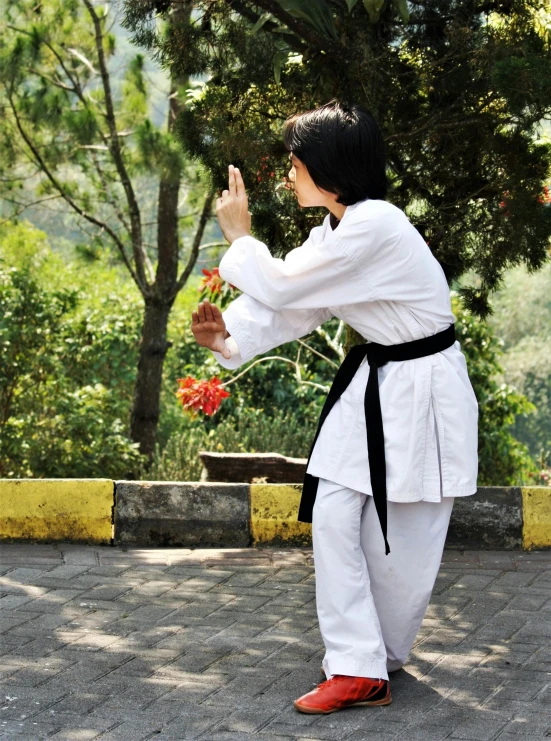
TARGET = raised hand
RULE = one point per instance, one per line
(232, 208)
(209, 328)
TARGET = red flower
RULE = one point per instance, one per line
(212, 281)
(545, 196)
(503, 204)
(205, 396)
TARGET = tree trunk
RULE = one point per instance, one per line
(147, 392)
(154, 345)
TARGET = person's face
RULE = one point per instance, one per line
(306, 191)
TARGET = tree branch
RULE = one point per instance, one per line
(24, 206)
(38, 159)
(284, 360)
(196, 243)
(253, 17)
(114, 147)
(323, 357)
(301, 29)
(334, 344)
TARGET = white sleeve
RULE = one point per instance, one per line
(255, 328)
(333, 271)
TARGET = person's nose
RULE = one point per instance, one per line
(291, 175)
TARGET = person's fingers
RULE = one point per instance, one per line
(231, 180)
(201, 312)
(216, 311)
(208, 312)
(239, 184)
(194, 317)
(225, 194)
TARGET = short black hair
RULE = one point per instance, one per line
(342, 148)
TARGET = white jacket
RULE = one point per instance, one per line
(375, 272)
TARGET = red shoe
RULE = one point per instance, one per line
(343, 692)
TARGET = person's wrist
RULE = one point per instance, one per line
(232, 236)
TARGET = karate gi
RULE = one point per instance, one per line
(375, 272)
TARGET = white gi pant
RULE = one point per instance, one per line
(370, 606)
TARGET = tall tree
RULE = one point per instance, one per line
(80, 131)
(459, 87)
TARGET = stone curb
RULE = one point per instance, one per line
(210, 515)
(79, 510)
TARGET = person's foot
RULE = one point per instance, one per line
(342, 691)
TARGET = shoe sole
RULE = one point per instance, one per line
(314, 711)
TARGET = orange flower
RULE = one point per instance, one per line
(212, 281)
(196, 395)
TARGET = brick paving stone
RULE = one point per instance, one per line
(125, 644)
(479, 729)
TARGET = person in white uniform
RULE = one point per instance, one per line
(390, 456)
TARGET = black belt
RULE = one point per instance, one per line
(377, 356)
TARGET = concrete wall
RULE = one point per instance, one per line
(176, 514)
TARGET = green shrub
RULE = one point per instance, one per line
(68, 364)
(253, 431)
(522, 319)
(502, 459)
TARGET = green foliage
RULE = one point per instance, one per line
(459, 89)
(503, 460)
(252, 431)
(68, 359)
(56, 134)
(271, 385)
(522, 318)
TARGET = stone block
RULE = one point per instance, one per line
(175, 514)
(491, 519)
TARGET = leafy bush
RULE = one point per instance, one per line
(68, 360)
(522, 318)
(503, 460)
(253, 431)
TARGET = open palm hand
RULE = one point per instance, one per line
(209, 328)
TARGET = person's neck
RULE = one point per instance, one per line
(336, 212)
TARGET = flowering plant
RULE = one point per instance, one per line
(212, 282)
(265, 172)
(544, 198)
(541, 478)
(197, 395)
(216, 288)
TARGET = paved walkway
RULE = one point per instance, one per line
(128, 645)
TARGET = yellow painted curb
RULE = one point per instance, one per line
(536, 510)
(274, 509)
(79, 510)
